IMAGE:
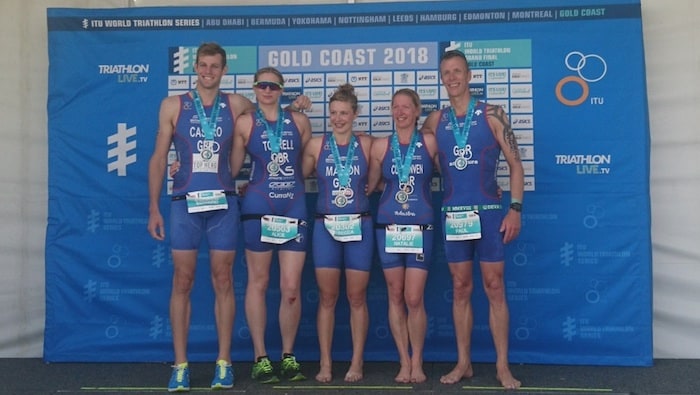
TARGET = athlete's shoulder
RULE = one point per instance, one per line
(315, 143)
(364, 139)
(244, 123)
(493, 109)
(170, 107)
(239, 104)
(379, 144)
(173, 100)
(430, 125)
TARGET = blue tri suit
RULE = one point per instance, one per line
(199, 172)
(474, 187)
(327, 251)
(281, 193)
(418, 210)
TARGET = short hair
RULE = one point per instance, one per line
(345, 93)
(211, 49)
(453, 53)
(269, 70)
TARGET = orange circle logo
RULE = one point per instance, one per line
(578, 80)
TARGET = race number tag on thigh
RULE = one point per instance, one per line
(404, 239)
(278, 230)
(345, 227)
(199, 201)
(462, 225)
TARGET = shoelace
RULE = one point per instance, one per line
(180, 372)
(291, 362)
(266, 366)
(222, 370)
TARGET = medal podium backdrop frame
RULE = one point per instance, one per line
(571, 78)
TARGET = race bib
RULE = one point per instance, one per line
(200, 201)
(462, 225)
(278, 230)
(346, 227)
(404, 239)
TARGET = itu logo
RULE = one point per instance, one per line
(122, 154)
(181, 60)
(589, 69)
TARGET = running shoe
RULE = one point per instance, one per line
(290, 368)
(223, 375)
(263, 372)
(180, 379)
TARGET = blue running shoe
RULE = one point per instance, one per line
(180, 380)
(223, 375)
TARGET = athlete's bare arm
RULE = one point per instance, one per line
(167, 115)
(375, 163)
(500, 126)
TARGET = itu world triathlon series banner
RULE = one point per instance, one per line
(571, 78)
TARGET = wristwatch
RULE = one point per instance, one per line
(518, 207)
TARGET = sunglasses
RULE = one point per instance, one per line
(273, 86)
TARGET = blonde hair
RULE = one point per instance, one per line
(412, 95)
(345, 93)
(269, 70)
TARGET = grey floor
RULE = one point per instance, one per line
(33, 376)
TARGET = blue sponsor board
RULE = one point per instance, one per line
(578, 277)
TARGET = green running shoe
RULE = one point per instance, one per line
(263, 372)
(291, 370)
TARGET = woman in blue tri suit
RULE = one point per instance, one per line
(403, 162)
(274, 215)
(343, 229)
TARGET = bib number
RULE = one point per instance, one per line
(200, 201)
(462, 225)
(404, 239)
(344, 227)
(278, 230)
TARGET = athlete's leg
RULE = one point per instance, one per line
(224, 302)
(356, 287)
(258, 264)
(397, 319)
(184, 263)
(328, 280)
(417, 320)
(291, 266)
(492, 275)
(462, 287)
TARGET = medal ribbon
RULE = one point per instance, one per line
(461, 135)
(403, 166)
(208, 124)
(343, 168)
(274, 135)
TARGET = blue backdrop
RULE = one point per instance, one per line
(572, 79)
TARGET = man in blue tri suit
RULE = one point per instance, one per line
(471, 135)
(200, 125)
